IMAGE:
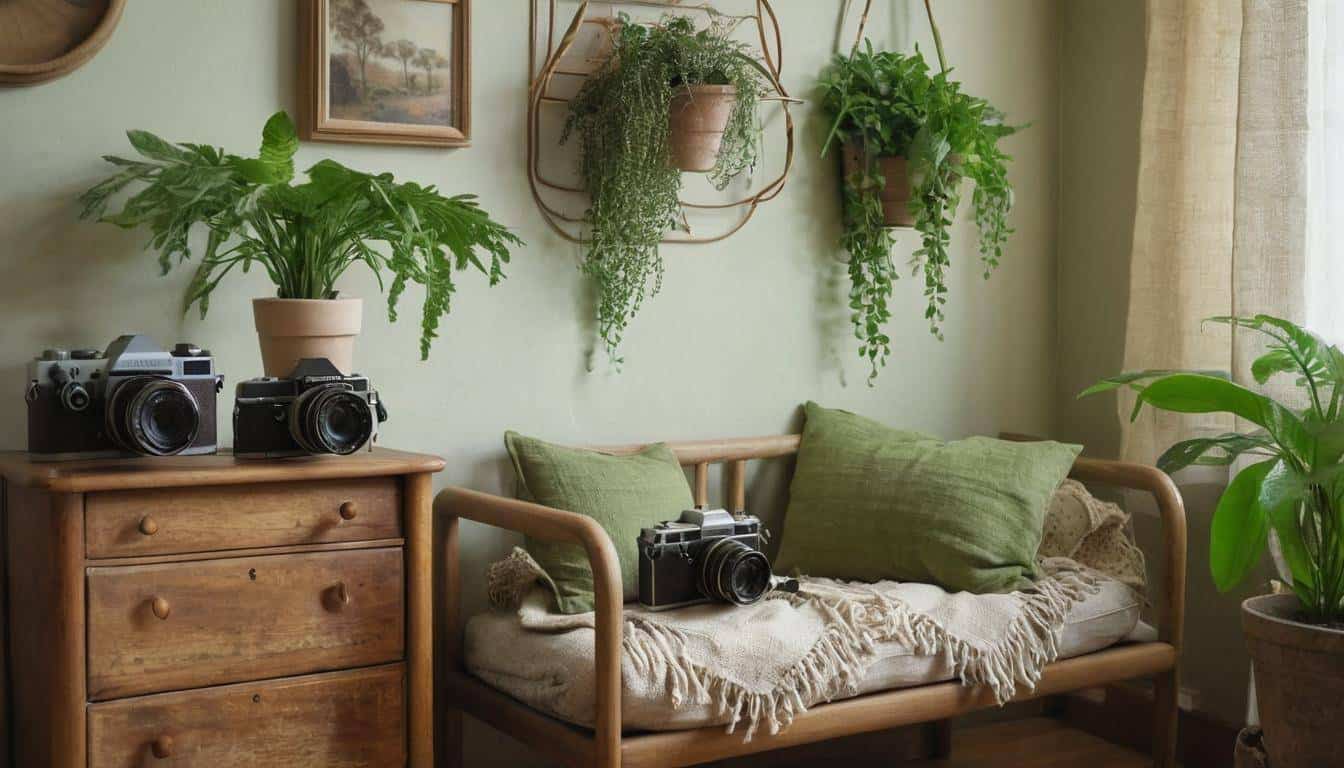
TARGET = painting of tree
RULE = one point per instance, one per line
(403, 50)
(358, 28)
(391, 51)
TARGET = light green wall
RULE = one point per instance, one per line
(742, 332)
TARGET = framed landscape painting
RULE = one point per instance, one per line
(385, 71)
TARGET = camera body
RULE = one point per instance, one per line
(315, 410)
(702, 556)
(134, 399)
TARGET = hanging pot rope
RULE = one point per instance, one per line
(863, 22)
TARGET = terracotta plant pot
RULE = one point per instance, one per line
(1299, 683)
(696, 120)
(292, 329)
(896, 194)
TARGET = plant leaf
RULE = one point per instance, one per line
(1196, 450)
(279, 142)
(1131, 377)
(1240, 527)
(1197, 393)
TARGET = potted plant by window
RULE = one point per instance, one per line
(908, 137)
(1295, 489)
(304, 235)
(668, 98)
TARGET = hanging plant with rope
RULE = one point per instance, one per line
(661, 86)
(908, 137)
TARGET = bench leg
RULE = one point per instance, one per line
(1166, 709)
(942, 739)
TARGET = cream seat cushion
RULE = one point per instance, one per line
(554, 672)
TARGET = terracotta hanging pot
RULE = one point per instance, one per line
(292, 329)
(1299, 683)
(895, 196)
(697, 118)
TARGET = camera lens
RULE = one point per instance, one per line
(734, 573)
(331, 418)
(153, 415)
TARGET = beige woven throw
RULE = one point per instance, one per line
(761, 665)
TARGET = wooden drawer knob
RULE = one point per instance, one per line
(149, 526)
(338, 597)
(160, 607)
(348, 510)
(162, 747)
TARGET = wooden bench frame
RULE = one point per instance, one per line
(607, 747)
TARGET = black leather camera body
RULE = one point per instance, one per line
(705, 555)
(136, 398)
(315, 410)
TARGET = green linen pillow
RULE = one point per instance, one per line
(869, 502)
(622, 493)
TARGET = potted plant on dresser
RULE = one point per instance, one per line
(668, 98)
(1294, 487)
(304, 235)
(908, 137)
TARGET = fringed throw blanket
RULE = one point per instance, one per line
(760, 665)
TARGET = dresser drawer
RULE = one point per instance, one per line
(166, 521)
(185, 625)
(335, 720)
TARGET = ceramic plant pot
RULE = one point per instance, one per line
(696, 120)
(895, 196)
(292, 329)
(1299, 683)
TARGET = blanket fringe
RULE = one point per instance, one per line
(854, 625)
(509, 580)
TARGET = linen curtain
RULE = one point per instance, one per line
(1221, 222)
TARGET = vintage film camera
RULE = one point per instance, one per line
(315, 410)
(705, 555)
(134, 399)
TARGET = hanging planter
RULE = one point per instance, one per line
(668, 98)
(895, 191)
(908, 138)
(697, 118)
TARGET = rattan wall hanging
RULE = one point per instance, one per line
(553, 76)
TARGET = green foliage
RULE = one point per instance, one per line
(1298, 490)
(621, 118)
(883, 104)
(304, 235)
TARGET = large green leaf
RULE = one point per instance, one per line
(1294, 349)
(1274, 361)
(1197, 450)
(155, 148)
(279, 142)
(1240, 527)
(1197, 393)
(1131, 379)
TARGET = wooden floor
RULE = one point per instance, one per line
(1038, 742)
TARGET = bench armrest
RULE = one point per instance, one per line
(540, 522)
(1171, 508)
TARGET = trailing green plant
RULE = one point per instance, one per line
(304, 235)
(621, 118)
(1296, 488)
(891, 104)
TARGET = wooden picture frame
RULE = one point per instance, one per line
(367, 90)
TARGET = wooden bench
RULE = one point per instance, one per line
(607, 746)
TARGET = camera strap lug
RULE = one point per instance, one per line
(31, 394)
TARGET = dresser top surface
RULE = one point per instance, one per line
(219, 469)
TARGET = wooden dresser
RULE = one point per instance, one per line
(211, 611)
